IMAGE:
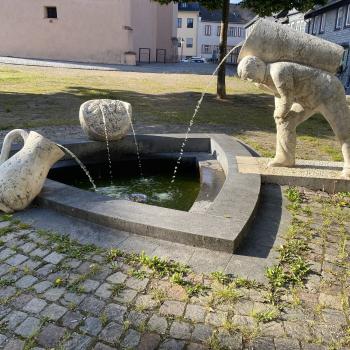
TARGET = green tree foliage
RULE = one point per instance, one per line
(268, 7)
(214, 5)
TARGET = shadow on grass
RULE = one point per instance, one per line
(239, 112)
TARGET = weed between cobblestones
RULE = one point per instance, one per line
(266, 316)
(292, 267)
(176, 271)
(138, 274)
(221, 277)
(117, 288)
(6, 217)
(337, 220)
(248, 333)
(65, 245)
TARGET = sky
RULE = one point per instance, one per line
(235, 1)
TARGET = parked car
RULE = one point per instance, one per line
(185, 60)
(198, 60)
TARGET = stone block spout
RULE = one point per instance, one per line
(22, 176)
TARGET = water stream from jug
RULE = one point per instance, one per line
(199, 103)
(83, 167)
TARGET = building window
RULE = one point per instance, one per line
(179, 22)
(316, 24)
(189, 22)
(344, 63)
(340, 18)
(323, 23)
(206, 49)
(189, 42)
(347, 20)
(51, 12)
(207, 30)
(218, 30)
(298, 26)
(235, 32)
(345, 55)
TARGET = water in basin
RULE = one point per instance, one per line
(153, 188)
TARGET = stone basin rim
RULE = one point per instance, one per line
(221, 227)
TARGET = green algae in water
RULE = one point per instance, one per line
(155, 183)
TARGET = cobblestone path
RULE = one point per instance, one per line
(58, 294)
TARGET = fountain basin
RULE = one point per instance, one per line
(152, 188)
(218, 219)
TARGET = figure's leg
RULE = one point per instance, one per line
(285, 144)
(338, 116)
(346, 154)
(286, 137)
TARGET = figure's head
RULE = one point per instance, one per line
(252, 68)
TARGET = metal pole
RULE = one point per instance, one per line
(182, 47)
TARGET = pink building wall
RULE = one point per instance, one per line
(167, 28)
(85, 30)
(153, 27)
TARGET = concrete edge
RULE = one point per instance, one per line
(315, 175)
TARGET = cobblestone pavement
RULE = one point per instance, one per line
(58, 294)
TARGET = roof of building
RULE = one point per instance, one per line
(331, 4)
(253, 20)
(280, 17)
(237, 14)
(188, 6)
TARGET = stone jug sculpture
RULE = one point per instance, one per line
(101, 117)
(22, 176)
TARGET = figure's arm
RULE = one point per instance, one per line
(283, 81)
(265, 88)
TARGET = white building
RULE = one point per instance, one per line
(209, 31)
(187, 29)
(296, 20)
(198, 30)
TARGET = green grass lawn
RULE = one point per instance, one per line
(34, 96)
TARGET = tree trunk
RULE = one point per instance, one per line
(221, 84)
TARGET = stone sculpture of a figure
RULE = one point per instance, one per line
(299, 69)
(300, 92)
